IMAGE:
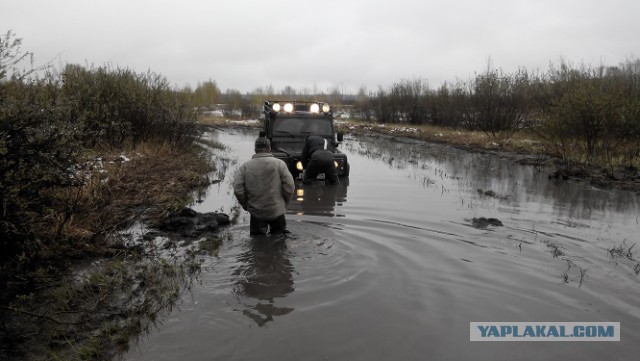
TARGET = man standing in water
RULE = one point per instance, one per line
(316, 159)
(263, 186)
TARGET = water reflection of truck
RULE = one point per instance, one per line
(287, 125)
(318, 199)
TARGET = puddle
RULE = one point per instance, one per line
(392, 265)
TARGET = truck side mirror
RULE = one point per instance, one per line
(262, 134)
(340, 137)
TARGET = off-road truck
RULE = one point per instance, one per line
(287, 124)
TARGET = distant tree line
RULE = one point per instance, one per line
(233, 104)
(586, 114)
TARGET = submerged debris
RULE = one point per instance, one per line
(191, 224)
(493, 194)
(482, 222)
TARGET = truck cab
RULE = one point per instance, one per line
(287, 124)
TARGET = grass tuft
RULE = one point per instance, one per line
(211, 245)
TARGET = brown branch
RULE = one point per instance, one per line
(48, 318)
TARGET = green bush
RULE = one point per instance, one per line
(115, 106)
(592, 116)
(38, 148)
(498, 103)
(47, 123)
(54, 208)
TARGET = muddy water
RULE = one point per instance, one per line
(391, 264)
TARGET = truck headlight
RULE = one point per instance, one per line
(314, 108)
(276, 107)
(299, 166)
(288, 107)
(336, 164)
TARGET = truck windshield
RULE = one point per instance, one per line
(302, 126)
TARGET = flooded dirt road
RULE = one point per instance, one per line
(396, 263)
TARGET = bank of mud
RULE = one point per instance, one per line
(129, 255)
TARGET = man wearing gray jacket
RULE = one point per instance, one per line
(263, 187)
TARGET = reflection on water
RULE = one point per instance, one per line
(264, 274)
(501, 174)
(397, 267)
(319, 198)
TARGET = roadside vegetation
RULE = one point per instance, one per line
(85, 153)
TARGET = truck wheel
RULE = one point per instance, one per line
(347, 168)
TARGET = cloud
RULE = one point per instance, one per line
(305, 44)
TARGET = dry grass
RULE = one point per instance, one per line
(213, 120)
(522, 142)
(155, 180)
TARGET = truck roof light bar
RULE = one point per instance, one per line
(277, 106)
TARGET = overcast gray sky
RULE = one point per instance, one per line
(243, 44)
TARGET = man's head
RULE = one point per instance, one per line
(262, 145)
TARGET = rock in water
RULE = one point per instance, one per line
(483, 222)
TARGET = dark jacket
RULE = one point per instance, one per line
(313, 143)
